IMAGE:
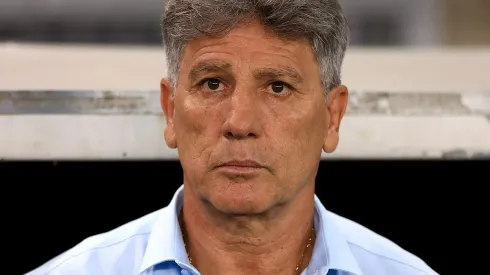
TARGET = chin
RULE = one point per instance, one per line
(241, 196)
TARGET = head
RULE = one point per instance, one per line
(253, 96)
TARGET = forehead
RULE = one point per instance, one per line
(256, 44)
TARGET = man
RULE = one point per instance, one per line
(252, 98)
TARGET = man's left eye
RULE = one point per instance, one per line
(279, 87)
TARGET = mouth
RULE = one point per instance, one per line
(240, 166)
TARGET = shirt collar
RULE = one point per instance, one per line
(165, 241)
(331, 249)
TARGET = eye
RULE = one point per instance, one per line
(279, 88)
(212, 84)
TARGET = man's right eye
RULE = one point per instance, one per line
(212, 84)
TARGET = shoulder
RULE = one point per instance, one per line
(121, 248)
(376, 254)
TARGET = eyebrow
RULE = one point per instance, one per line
(208, 67)
(278, 72)
(219, 66)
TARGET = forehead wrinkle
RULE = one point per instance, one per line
(204, 67)
(278, 72)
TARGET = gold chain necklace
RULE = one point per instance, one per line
(298, 266)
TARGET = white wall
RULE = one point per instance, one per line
(37, 67)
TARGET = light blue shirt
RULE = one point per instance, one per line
(153, 245)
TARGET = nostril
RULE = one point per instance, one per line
(231, 134)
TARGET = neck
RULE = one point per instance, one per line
(272, 243)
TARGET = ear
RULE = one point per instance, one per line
(167, 102)
(336, 107)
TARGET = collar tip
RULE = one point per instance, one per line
(142, 269)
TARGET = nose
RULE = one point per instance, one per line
(242, 121)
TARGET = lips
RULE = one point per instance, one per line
(241, 164)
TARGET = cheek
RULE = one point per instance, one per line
(301, 123)
(196, 130)
(300, 133)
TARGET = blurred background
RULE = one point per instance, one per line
(79, 80)
(417, 71)
(373, 22)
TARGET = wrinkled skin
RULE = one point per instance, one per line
(250, 96)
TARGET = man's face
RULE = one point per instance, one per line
(249, 119)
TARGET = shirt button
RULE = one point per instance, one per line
(185, 272)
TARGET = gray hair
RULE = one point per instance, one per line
(320, 23)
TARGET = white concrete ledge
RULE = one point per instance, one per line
(58, 137)
(148, 103)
